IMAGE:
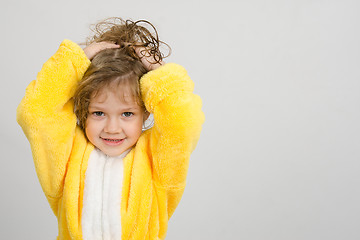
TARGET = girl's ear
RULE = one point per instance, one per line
(146, 115)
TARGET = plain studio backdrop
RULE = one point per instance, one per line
(278, 157)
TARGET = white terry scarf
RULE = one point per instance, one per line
(102, 197)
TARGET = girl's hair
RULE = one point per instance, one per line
(121, 65)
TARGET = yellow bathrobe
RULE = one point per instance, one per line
(155, 169)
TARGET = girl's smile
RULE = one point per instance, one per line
(115, 120)
(112, 142)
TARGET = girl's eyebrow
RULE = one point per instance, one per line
(100, 107)
(95, 106)
(130, 109)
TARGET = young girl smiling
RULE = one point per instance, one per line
(104, 177)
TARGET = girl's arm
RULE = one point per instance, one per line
(46, 115)
(168, 94)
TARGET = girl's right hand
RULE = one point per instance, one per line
(95, 47)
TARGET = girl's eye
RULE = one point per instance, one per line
(127, 114)
(98, 114)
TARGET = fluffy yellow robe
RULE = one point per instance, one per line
(155, 169)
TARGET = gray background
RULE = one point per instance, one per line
(279, 152)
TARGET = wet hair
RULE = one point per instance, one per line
(121, 66)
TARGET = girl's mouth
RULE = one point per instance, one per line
(112, 142)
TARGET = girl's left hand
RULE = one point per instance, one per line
(147, 59)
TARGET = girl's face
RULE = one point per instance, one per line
(115, 120)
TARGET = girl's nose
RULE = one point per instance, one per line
(112, 126)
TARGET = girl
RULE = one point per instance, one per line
(103, 176)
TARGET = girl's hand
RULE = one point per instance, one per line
(147, 59)
(95, 47)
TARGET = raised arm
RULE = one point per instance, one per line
(168, 94)
(167, 91)
(46, 115)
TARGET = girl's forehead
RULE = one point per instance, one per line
(118, 92)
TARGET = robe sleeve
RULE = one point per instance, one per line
(168, 94)
(47, 118)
